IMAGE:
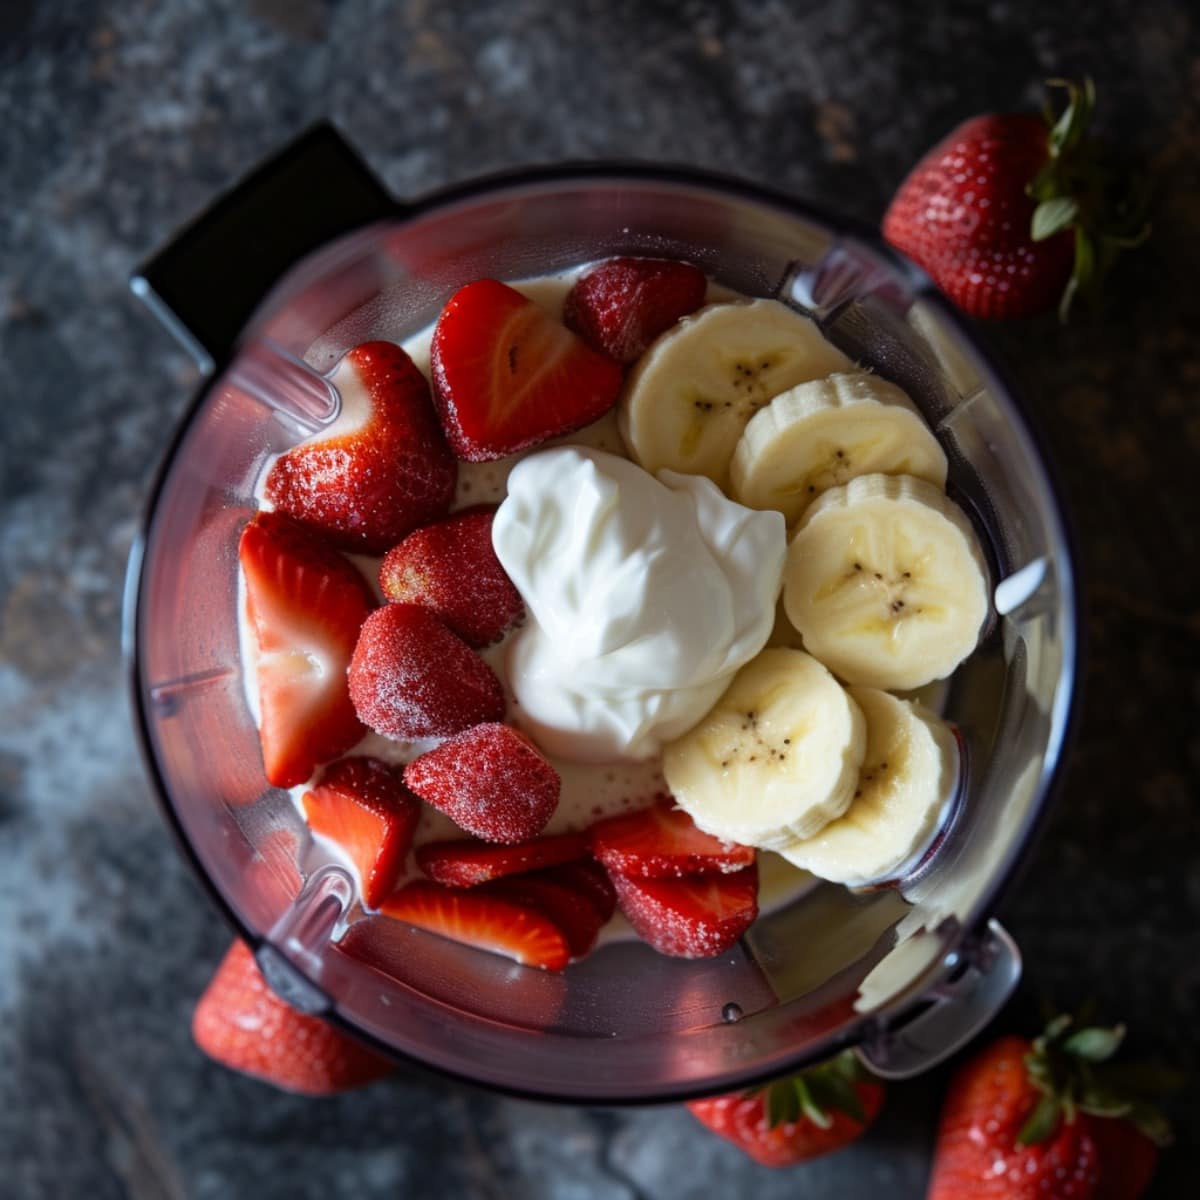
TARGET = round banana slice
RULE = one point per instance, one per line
(826, 432)
(905, 789)
(688, 399)
(886, 583)
(776, 758)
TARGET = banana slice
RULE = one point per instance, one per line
(823, 434)
(905, 788)
(886, 582)
(688, 399)
(776, 758)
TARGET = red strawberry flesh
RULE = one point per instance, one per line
(591, 880)
(468, 863)
(570, 910)
(363, 805)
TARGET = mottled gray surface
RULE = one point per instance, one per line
(119, 121)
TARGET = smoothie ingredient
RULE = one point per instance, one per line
(507, 375)
(467, 863)
(590, 879)
(242, 1024)
(381, 469)
(691, 395)
(363, 805)
(451, 569)
(622, 304)
(776, 759)
(886, 582)
(819, 1111)
(907, 780)
(306, 604)
(569, 909)
(822, 434)
(491, 781)
(410, 677)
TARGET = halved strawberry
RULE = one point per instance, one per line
(467, 863)
(590, 879)
(382, 468)
(491, 781)
(487, 922)
(622, 304)
(306, 604)
(363, 805)
(410, 677)
(698, 916)
(241, 1023)
(570, 910)
(662, 842)
(450, 568)
(507, 375)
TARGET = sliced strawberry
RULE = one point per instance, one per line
(466, 863)
(306, 604)
(621, 305)
(491, 781)
(590, 879)
(698, 916)
(410, 677)
(241, 1023)
(570, 910)
(382, 468)
(487, 922)
(506, 375)
(363, 805)
(451, 569)
(662, 842)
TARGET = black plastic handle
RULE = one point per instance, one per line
(207, 281)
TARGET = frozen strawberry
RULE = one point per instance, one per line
(590, 879)
(467, 863)
(491, 781)
(363, 805)
(698, 916)
(487, 922)
(306, 604)
(241, 1023)
(663, 842)
(451, 569)
(410, 677)
(570, 910)
(621, 305)
(382, 469)
(507, 375)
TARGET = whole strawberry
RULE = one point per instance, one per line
(1046, 1119)
(1013, 213)
(792, 1120)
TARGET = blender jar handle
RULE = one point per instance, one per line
(988, 971)
(204, 285)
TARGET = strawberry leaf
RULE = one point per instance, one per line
(1053, 216)
(1095, 1045)
(1043, 1121)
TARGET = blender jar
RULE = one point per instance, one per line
(310, 257)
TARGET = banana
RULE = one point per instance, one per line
(824, 433)
(905, 788)
(690, 395)
(776, 758)
(886, 582)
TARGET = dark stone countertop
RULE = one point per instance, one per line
(121, 120)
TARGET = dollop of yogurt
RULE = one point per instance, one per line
(644, 596)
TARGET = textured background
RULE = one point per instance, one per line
(119, 121)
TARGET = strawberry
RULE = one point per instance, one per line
(570, 910)
(451, 569)
(698, 916)
(363, 805)
(491, 781)
(622, 304)
(507, 375)
(485, 921)
(1032, 1119)
(1011, 213)
(589, 879)
(467, 863)
(382, 469)
(821, 1110)
(410, 677)
(241, 1023)
(661, 842)
(306, 604)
